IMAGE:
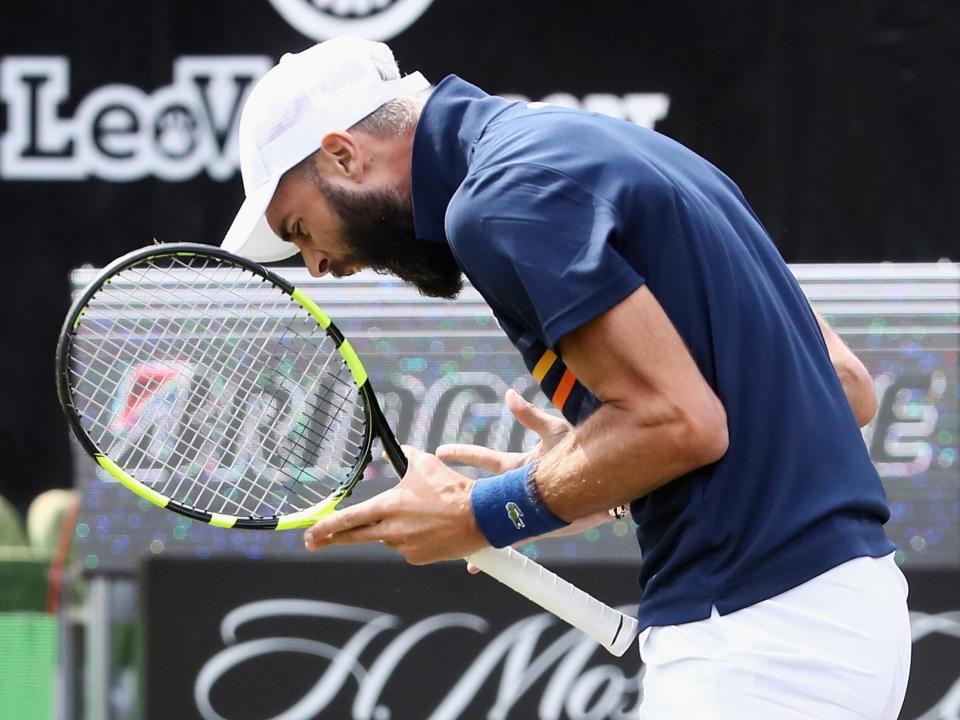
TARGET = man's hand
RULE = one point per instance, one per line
(426, 517)
(549, 427)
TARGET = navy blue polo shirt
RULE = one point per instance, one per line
(555, 216)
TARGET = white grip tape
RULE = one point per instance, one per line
(609, 627)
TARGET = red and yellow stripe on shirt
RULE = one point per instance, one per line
(564, 386)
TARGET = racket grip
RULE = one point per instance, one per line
(609, 627)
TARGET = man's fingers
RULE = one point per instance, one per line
(362, 515)
(477, 456)
(533, 418)
(547, 426)
(353, 536)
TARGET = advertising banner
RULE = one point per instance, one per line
(365, 640)
(237, 640)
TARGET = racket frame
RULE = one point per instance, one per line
(376, 422)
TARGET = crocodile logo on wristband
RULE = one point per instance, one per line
(515, 514)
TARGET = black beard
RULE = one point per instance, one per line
(378, 231)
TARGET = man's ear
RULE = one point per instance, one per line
(342, 154)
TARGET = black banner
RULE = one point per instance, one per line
(364, 640)
(933, 692)
(372, 641)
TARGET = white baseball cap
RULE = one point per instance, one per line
(330, 86)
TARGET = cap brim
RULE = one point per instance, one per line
(250, 236)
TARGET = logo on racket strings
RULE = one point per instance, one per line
(178, 419)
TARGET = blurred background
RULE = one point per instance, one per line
(117, 125)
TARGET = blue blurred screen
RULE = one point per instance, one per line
(441, 370)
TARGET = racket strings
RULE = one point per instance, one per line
(169, 347)
(176, 491)
(305, 444)
(261, 328)
(302, 428)
(267, 333)
(330, 354)
(282, 468)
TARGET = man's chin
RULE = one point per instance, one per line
(448, 290)
(441, 285)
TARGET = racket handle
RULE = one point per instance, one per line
(609, 627)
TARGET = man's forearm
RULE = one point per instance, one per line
(621, 453)
(659, 418)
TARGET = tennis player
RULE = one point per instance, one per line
(652, 307)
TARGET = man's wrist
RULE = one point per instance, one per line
(508, 507)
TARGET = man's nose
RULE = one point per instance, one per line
(318, 264)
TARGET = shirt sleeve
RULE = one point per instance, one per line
(539, 247)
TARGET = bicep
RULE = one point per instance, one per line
(631, 355)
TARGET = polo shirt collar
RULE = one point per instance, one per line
(452, 120)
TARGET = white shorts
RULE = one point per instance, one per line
(834, 648)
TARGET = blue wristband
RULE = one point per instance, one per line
(508, 508)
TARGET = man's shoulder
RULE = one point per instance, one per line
(512, 191)
(599, 153)
(536, 122)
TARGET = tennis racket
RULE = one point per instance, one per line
(211, 386)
